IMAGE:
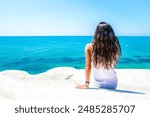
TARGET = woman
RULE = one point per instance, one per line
(101, 57)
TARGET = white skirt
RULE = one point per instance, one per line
(104, 78)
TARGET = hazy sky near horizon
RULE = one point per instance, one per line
(73, 17)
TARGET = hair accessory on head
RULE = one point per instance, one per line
(101, 24)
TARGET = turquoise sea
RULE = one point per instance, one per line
(36, 54)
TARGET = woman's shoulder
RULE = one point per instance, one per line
(88, 46)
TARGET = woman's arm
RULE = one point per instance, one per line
(87, 64)
(87, 67)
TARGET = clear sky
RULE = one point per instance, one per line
(73, 17)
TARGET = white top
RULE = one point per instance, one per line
(104, 78)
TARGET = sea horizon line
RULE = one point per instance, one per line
(69, 35)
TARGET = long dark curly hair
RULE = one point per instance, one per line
(106, 47)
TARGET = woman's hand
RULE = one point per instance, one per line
(85, 86)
